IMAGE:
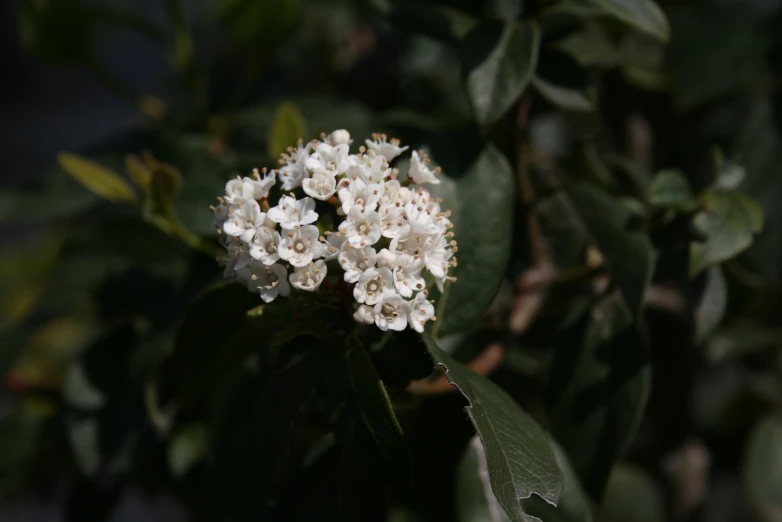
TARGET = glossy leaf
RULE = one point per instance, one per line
(670, 189)
(499, 61)
(475, 501)
(644, 15)
(632, 495)
(627, 253)
(730, 221)
(377, 411)
(598, 389)
(563, 97)
(287, 128)
(518, 452)
(484, 238)
(763, 468)
(97, 178)
(712, 305)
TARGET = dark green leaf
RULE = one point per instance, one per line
(627, 253)
(440, 22)
(763, 467)
(287, 128)
(213, 339)
(484, 238)
(518, 452)
(97, 178)
(163, 191)
(187, 449)
(712, 305)
(670, 189)
(499, 61)
(57, 30)
(644, 15)
(475, 501)
(632, 495)
(377, 412)
(563, 97)
(730, 221)
(598, 388)
(259, 24)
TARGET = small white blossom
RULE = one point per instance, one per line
(419, 312)
(332, 158)
(269, 281)
(391, 313)
(261, 186)
(322, 185)
(364, 314)
(299, 247)
(407, 275)
(340, 137)
(420, 172)
(332, 246)
(355, 261)
(290, 213)
(359, 194)
(373, 286)
(265, 245)
(293, 171)
(386, 258)
(309, 277)
(362, 227)
(370, 168)
(389, 149)
(243, 220)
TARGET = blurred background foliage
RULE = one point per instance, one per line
(645, 153)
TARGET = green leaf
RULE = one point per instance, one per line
(499, 61)
(440, 22)
(574, 504)
(713, 304)
(377, 412)
(563, 97)
(484, 238)
(644, 15)
(287, 128)
(597, 389)
(627, 253)
(763, 468)
(730, 221)
(670, 189)
(518, 452)
(263, 25)
(138, 171)
(475, 501)
(57, 30)
(187, 449)
(97, 178)
(214, 338)
(164, 188)
(632, 495)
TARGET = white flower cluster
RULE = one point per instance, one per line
(389, 231)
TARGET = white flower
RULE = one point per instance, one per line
(237, 257)
(421, 222)
(394, 221)
(364, 315)
(391, 313)
(438, 258)
(383, 147)
(369, 168)
(239, 190)
(332, 246)
(243, 220)
(386, 258)
(290, 213)
(299, 247)
(340, 137)
(321, 185)
(407, 274)
(358, 194)
(293, 170)
(354, 261)
(333, 158)
(269, 281)
(419, 312)
(419, 171)
(373, 286)
(362, 227)
(261, 186)
(265, 245)
(309, 277)
(221, 214)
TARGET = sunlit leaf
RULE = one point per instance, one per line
(287, 128)
(97, 178)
